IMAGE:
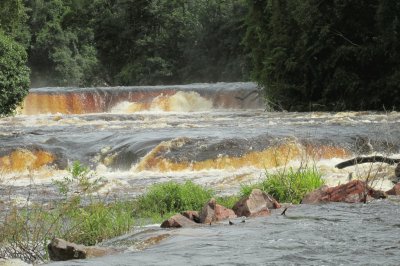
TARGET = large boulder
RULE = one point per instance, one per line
(60, 250)
(352, 192)
(178, 221)
(395, 190)
(213, 212)
(192, 215)
(257, 203)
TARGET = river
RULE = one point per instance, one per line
(332, 234)
(218, 135)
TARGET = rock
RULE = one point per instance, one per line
(257, 203)
(192, 215)
(60, 250)
(395, 190)
(213, 212)
(397, 170)
(223, 213)
(352, 192)
(177, 221)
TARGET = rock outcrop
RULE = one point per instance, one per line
(61, 250)
(178, 221)
(192, 215)
(258, 203)
(352, 192)
(213, 212)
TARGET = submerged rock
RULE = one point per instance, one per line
(213, 212)
(352, 192)
(257, 203)
(60, 250)
(395, 190)
(178, 221)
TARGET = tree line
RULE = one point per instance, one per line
(326, 54)
(125, 42)
(307, 54)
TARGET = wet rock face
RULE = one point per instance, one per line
(61, 250)
(203, 149)
(257, 203)
(192, 215)
(395, 190)
(178, 221)
(213, 212)
(352, 192)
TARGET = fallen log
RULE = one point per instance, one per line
(369, 159)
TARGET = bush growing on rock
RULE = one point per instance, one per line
(162, 200)
(288, 185)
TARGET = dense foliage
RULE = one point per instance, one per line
(329, 55)
(308, 55)
(125, 42)
(14, 75)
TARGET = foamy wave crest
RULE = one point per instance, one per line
(179, 102)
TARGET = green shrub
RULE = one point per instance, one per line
(228, 201)
(162, 200)
(288, 186)
(80, 216)
(14, 75)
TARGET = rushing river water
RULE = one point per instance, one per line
(217, 135)
(332, 234)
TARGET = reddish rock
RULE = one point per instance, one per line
(395, 190)
(192, 215)
(213, 212)
(257, 203)
(223, 213)
(177, 221)
(61, 250)
(352, 192)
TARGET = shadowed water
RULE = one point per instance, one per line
(332, 234)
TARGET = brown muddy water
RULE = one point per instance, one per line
(217, 135)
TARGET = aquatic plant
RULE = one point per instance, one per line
(165, 199)
(287, 185)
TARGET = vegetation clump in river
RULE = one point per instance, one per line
(287, 185)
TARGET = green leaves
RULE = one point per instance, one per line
(14, 75)
(329, 55)
(288, 185)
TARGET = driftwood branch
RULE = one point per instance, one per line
(370, 159)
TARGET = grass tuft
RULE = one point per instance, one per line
(287, 186)
(165, 199)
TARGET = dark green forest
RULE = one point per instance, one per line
(306, 54)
